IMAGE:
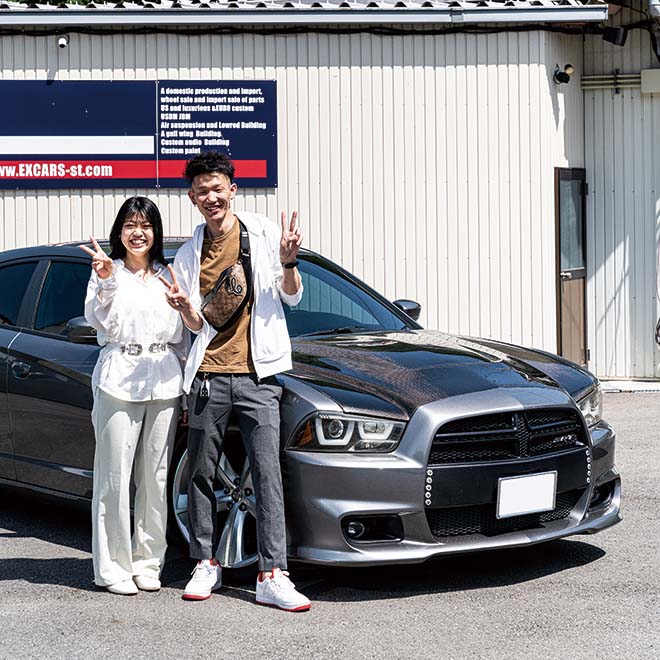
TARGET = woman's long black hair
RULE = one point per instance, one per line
(140, 206)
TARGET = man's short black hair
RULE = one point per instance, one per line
(209, 162)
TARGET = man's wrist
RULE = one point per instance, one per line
(290, 264)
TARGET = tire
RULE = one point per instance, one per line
(235, 502)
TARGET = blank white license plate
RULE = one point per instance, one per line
(532, 493)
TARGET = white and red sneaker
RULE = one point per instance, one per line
(279, 591)
(206, 577)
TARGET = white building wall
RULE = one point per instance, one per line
(424, 164)
(622, 134)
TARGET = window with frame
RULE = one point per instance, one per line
(62, 297)
(14, 281)
(331, 302)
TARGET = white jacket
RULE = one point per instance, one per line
(125, 309)
(269, 337)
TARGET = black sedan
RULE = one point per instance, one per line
(398, 443)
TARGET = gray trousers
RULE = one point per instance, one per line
(257, 404)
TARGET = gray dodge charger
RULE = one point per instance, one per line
(398, 443)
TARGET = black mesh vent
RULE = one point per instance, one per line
(540, 418)
(506, 436)
(480, 449)
(466, 520)
(500, 422)
(554, 443)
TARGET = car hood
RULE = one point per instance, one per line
(393, 373)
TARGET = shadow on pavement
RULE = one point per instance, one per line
(448, 574)
(63, 571)
(445, 575)
(64, 525)
(25, 515)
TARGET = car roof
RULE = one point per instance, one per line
(70, 249)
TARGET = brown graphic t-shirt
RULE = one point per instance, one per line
(229, 351)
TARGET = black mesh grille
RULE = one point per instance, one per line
(540, 418)
(480, 450)
(506, 436)
(556, 443)
(465, 520)
(499, 422)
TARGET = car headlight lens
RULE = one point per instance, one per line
(347, 433)
(591, 406)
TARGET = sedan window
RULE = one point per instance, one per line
(63, 296)
(14, 280)
(333, 304)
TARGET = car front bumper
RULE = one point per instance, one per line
(324, 490)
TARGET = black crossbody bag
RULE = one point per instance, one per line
(225, 302)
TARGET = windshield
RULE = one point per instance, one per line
(332, 304)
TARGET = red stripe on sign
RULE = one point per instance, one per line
(77, 169)
(171, 169)
(251, 169)
(114, 169)
(245, 169)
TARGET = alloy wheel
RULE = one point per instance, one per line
(235, 505)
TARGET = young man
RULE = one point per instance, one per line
(234, 369)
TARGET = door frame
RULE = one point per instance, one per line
(570, 174)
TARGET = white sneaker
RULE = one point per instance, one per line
(279, 591)
(146, 582)
(123, 588)
(206, 577)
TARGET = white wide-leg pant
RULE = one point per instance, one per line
(128, 431)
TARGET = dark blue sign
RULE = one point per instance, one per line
(105, 134)
(235, 117)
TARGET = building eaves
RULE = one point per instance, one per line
(172, 13)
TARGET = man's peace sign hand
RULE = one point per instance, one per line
(291, 238)
(101, 262)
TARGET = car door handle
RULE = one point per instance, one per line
(20, 369)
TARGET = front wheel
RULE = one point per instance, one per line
(235, 505)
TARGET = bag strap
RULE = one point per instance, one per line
(245, 257)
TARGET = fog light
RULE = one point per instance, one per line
(355, 529)
(377, 528)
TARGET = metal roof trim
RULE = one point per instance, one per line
(299, 15)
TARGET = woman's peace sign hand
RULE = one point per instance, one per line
(101, 262)
(178, 300)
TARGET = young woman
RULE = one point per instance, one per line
(137, 386)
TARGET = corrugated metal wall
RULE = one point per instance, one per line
(424, 164)
(622, 135)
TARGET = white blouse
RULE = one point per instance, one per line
(125, 309)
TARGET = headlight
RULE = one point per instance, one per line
(591, 406)
(332, 432)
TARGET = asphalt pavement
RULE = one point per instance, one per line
(585, 597)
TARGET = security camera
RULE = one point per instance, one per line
(63, 41)
(562, 77)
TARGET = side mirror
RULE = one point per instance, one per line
(410, 307)
(79, 331)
